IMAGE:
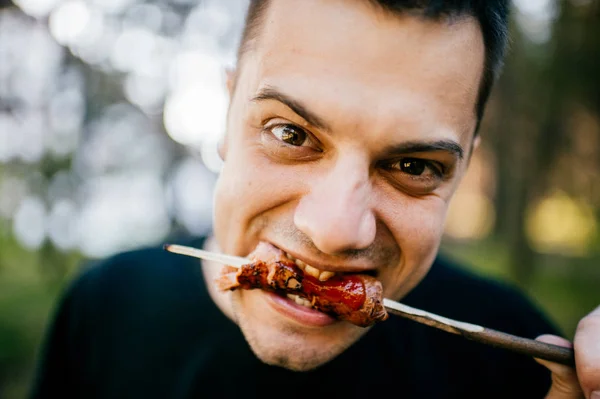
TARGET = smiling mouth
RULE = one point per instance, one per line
(350, 296)
(321, 275)
(308, 270)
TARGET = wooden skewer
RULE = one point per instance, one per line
(531, 347)
(541, 350)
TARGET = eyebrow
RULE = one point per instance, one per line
(412, 147)
(271, 93)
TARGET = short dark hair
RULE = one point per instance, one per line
(492, 16)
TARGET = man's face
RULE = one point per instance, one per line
(349, 131)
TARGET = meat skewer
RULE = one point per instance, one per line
(357, 299)
(361, 306)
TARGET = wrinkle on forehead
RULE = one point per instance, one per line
(361, 34)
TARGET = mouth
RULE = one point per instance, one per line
(307, 270)
(305, 293)
(316, 273)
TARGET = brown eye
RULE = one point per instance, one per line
(290, 134)
(415, 175)
(414, 167)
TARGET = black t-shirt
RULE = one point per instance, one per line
(142, 325)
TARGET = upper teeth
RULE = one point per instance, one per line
(321, 275)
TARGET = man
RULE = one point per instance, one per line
(351, 124)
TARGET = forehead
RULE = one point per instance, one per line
(363, 64)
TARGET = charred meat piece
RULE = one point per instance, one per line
(356, 298)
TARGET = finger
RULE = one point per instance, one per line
(587, 354)
(565, 384)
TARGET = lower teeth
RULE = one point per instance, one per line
(299, 300)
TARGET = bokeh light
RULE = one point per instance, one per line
(561, 224)
(536, 17)
(122, 120)
(191, 195)
(69, 21)
(29, 223)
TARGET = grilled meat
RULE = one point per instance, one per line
(356, 298)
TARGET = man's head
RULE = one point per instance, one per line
(491, 15)
(350, 126)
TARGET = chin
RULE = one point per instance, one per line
(291, 361)
(278, 342)
(291, 352)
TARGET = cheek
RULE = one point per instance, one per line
(417, 225)
(235, 189)
(250, 186)
(425, 224)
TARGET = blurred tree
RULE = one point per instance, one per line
(529, 124)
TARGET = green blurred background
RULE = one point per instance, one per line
(109, 114)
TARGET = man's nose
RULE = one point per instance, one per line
(337, 213)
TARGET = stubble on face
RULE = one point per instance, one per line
(379, 81)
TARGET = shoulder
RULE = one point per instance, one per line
(454, 291)
(137, 283)
(139, 267)
(137, 313)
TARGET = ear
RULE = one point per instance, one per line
(230, 77)
(474, 146)
(476, 142)
(222, 148)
